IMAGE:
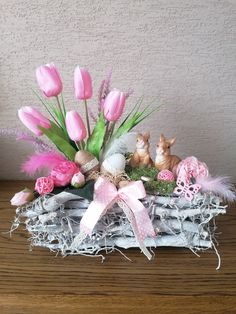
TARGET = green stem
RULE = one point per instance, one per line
(87, 117)
(63, 104)
(106, 134)
(111, 130)
(59, 106)
(78, 145)
(45, 106)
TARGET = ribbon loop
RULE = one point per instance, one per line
(105, 195)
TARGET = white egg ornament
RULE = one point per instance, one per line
(114, 164)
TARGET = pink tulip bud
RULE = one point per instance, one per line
(49, 80)
(75, 126)
(82, 84)
(78, 180)
(32, 119)
(114, 105)
(23, 197)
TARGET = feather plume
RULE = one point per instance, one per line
(38, 161)
(121, 145)
(219, 185)
(39, 145)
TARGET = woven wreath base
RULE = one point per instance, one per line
(53, 222)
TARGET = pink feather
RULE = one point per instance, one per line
(38, 161)
(219, 185)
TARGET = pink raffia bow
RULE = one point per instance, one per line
(105, 195)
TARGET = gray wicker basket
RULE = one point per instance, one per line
(53, 222)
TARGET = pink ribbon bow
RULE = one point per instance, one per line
(105, 195)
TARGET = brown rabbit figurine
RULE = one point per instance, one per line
(164, 160)
(142, 157)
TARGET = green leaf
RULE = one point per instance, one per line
(95, 141)
(48, 106)
(136, 106)
(126, 127)
(86, 191)
(60, 142)
(59, 131)
(135, 119)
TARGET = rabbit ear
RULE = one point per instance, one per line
(172, 141)
(162, 138)
(146, 136)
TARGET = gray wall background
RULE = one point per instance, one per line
(183, 52)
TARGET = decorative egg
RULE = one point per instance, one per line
(123, 183)
(166, 175)
(87, 162)
(114, 164)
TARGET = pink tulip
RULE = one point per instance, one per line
(49, 80)
(75, 126)
(114, 105)
(82, 84)
(23, 197)
(32, 119)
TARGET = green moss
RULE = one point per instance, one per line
(160, 187)
(153, 186)
(137, 173)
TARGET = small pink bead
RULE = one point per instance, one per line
(166, 175)
(44, 185)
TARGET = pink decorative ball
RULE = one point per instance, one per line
(44, 185)
(166, 175)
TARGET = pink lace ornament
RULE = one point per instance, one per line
(166, 175)
(44, 185)
(191, 167)
(186, 189)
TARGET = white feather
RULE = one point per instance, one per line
(124, 144)
(219, 185)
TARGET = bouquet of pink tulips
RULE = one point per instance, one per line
(68, 132)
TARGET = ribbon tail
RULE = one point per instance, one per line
(89, 220)
(144, 249)
(78, 240)
(130, 215)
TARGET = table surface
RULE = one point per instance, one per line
(176, 281)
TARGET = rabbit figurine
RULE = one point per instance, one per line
(164, 160)
(141, 156)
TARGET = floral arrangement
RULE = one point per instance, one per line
(102, 190)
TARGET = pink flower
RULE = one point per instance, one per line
(23, 197)
(63, 173)
(32, 119)
(78, 180)
(191, 167)
(75, 126)
(49, 80)
(166, 175)
(44, 185)
(113, 106)
(82, 84)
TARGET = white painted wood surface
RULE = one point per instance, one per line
(182, 52)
